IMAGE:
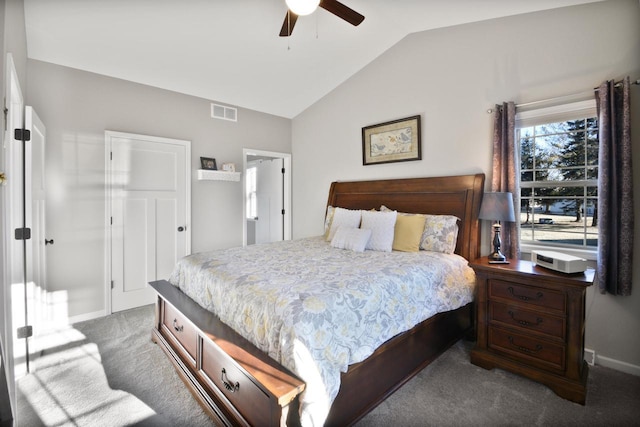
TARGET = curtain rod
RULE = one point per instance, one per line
(559, 98)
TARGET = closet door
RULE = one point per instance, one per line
(149, 214)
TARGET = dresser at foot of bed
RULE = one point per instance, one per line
(234, 382)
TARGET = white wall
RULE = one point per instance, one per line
(77, 107)
(451, 76)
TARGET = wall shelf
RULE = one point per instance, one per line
(209, 175)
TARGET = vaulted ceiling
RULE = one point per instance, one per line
(229, 51)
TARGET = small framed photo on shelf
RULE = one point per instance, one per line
(229, 167)
(208, 163)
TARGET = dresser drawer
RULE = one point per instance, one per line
(537, 352)
(245, 395)
(535, 296)
(177, 326)
(528, 320)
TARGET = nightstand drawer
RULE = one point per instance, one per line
(178, 327)
(528, 320)
(536, 351)
(515, 292)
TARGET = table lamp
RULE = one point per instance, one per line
(497, 207)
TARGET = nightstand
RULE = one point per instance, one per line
(530, 321)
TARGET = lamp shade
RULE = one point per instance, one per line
(497, 207)
(302, 7)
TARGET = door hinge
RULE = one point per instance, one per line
(23, 233)
(113, 284)
(25, 331)
(282, 211)
(283, 170)
(22, 134)
(111, 155)
(111, 221)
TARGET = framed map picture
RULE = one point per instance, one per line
(395, 141)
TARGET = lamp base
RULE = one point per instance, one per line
(497, 257)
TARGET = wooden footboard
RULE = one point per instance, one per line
(233, 381)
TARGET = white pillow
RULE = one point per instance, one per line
(343, 218)
(382, 225)
(354, 239)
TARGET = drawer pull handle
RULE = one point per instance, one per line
(227, 384)
(524, 322)
(176, 327)
(539, 295)
(525, 349)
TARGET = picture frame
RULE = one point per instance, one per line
(394, 141)
(208, 163)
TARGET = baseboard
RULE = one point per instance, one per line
(86, 316)
(618, 365)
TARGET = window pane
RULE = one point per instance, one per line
(556, 159)
(592, 148)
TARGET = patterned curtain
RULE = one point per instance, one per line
(505, 171)
(615, 189)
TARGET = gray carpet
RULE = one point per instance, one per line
(109, 373)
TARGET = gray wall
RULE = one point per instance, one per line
(77, 107)
(451, 76)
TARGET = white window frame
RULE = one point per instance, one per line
(553, 114)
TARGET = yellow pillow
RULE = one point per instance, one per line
(408, 233)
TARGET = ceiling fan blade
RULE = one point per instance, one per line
(287, 26)
(342, 11)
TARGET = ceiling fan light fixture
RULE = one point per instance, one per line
(302, 7)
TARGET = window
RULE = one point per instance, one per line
(559, 176)
(251, 195)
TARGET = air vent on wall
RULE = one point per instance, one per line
(223, 112)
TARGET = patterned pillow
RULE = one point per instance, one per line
(327, 220)
(343, 218)
(408, 233)
(382, 226)
(354, 239)
(440, 234)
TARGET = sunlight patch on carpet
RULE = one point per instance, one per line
(82, 395)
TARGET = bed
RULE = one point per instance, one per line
(235, 376)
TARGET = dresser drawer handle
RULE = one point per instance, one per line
(524, 322)
(227, 384)
(176, 327)
(525, 349)
(539, 295)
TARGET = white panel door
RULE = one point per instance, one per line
(13, 307)
(269, 195)
(37, 307)
(149, 213)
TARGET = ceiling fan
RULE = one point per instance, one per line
(305, 7)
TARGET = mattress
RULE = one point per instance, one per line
(317, 309)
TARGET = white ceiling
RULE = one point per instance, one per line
(229, 50)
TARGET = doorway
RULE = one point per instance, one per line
(267, 196)
(148, 214)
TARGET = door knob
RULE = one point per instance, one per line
(48, 242)
(181, 228)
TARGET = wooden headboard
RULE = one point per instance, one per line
(453, 195)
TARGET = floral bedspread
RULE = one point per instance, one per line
(317, 309)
